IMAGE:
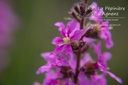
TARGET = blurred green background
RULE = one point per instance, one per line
(37, 30)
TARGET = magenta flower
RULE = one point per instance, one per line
(101, 27)
(97, 13)
(89, 74)
(100, 31)
(70, 33)
(102, 61)
(52, 61)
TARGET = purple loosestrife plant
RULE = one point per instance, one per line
(70, 63)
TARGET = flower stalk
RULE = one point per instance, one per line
(78, 54)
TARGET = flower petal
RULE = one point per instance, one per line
(107, 56)
(97, 48)
(70, 82)
(94, 5)
(58, 49)
(97, 13)
(115, 77)
(61, 28)
(86, 59)
(71, 26)
(78, 34)
(61, 61)
(88, 40)
(106, 35)
(57, 40)
(82, 79)
(68, 50)
(44, 68)
(48, 56)
(109, 43)
(60, 25)
(36, 83)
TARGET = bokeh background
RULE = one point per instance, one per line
(36, 31)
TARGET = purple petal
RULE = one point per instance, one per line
(77, 26)
(58, 49)
(97, 13)
(71, 26)
(50, 78)
(51, 72)
(97, 48)
(106, 35)
(36, 83)
(60, 25)
(105, 25)
(70, 82)
(44, 68)
(48, 56)
(78, 34)
(103, 81)
(63, 33)
(57, 40)
(115, 77)
(68, 50)
(61, 28)
(95, 80)
(103, 34)
(72, 63)
(88, 40)
(107, 56)
(62, 61)
(109, 43)
(94, 5)
(102, 61)
(82, 79)
(86, 59)
(94, 18)
(98, 80)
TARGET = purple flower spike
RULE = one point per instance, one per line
(71, 63)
